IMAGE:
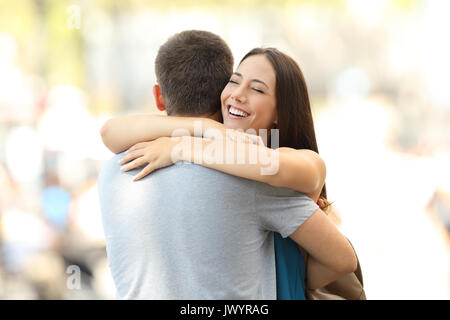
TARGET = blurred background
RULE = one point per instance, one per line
(377, 72)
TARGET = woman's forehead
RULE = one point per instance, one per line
(257, 67)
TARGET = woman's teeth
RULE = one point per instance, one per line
(236, 112)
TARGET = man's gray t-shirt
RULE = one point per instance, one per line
(190, 232)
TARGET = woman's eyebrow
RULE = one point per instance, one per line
(254, 80)
(260, 81)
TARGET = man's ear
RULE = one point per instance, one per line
(158, 98)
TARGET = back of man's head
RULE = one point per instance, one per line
(192, 68)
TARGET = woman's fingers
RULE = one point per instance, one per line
(321, 203)
(131, 156)
(147, 170)
(138, 146)
(134, 164)
(243, 137)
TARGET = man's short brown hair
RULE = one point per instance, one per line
(192, 68)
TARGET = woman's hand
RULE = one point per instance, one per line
(321, 203)
(238, 136)
(157, 153)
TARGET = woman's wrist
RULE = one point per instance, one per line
(182, 149)
(192, 149)
(177, 147)
(214, 130)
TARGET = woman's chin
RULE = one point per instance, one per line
(233, 124)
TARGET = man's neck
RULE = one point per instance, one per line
(216, 116)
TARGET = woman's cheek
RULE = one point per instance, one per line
(225, 92)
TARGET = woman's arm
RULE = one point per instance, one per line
(300, 170)
(120, 133)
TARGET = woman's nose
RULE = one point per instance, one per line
(238, 96)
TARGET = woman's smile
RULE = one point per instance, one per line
(236, 113)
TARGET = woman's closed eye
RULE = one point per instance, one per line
(258, 90)
(254, 89)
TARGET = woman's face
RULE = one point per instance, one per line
(248, 100)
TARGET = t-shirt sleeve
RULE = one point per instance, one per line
(282, 210)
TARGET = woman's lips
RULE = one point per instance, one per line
(236, 113)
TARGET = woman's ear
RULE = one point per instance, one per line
(159, 99)
(275, 123)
